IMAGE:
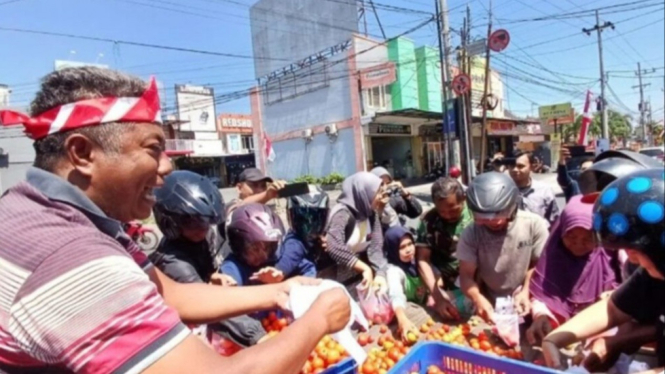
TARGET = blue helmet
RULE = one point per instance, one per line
(630, 213)
(187, 199)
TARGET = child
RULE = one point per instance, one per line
(404, 283)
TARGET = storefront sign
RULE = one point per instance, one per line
(532, 138)
(557, 111)
(235, 123)
(430, 130)
(390, 129)
(506, 128)
(379, 75)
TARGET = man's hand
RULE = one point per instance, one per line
(219, 279)
(273, 189)
(539, 329)
(522, 303)
(268, 275)
(335, 306)
(564, 155)
(443, 306)
(484, 308)
(602, 356)
(405, 327)
(322, 242)
(552, 355)
(284, 289)
(400, 187)
(368, 278)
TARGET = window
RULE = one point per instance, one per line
(377, 98)
(248, 143)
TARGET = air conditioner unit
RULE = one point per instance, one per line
(331, 130)
(307, 134)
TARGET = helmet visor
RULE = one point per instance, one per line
(195, 222)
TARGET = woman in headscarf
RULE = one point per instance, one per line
(404, 282)
(572, 273)
(401, 201)
(354, 227)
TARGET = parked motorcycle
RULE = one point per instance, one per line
(145, 237)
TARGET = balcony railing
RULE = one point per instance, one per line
(179, 145)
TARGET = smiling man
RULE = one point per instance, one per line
(77, 293)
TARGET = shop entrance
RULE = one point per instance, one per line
(434, 155)
(394, 154)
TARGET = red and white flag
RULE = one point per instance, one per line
(269, 151)
(586, 121)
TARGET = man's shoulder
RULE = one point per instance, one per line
(526, 219)
(543, 187)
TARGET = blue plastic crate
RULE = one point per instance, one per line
(457, 360)
(347, 366)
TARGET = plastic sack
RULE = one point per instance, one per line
(507, 321)
(377, 308)
(224, 346)
(464, 305)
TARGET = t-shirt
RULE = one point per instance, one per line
(441, 237)
(643, 298)
(539, 198)
(504, 257)
(74, 293)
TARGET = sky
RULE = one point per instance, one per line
(547, 62)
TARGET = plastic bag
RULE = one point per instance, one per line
(377, 308)
(223, 346)
(507, 321)
(464, 305)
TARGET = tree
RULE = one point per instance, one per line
(619, 125)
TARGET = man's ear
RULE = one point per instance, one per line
(81, 152)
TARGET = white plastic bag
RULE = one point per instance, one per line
(301, 299)
(507, 321)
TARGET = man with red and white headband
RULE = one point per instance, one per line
(77, 295)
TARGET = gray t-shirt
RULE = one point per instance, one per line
(503, 258)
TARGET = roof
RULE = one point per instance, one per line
(407, 117)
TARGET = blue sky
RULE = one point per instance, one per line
(547, 62)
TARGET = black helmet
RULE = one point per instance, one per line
(308, 214)
(630, 212)
(492, 195)
(187, 199)
(610, 165)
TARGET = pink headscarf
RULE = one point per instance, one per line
(567, 283)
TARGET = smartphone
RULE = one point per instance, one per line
(294, 189)
(577, 150)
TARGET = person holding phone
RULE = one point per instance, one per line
(401, 203)
(567, 183)
(254, 187)
(355, 228)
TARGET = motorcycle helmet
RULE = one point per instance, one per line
(492, 195)
(308, 214)
(252, 223)
(611, 165)
(187, 199)
(454, 172)
(630, 214)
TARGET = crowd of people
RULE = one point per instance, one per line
(78, 295)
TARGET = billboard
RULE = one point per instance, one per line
(196, 106)
(235, 123)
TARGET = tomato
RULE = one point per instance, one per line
(383, 329)
(333, 357)
(388, 345)
(272, 317)
(430, 322)
(411, 337)
(322, 352)
(424, 329)
(381, 341)
(445, 328)
(485, 346)
(370, 339)
(368, 368)
(282, 322)
(433, 370)
(390, 362)
(382, 371)
(318, 363)
(307, 368)
(363, 340)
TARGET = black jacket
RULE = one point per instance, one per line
(187, 262)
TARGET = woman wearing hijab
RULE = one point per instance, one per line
(401, 202)
(572, 273)
(355, 227)
(404, 283)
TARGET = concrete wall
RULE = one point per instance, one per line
(429, 79)
(404, 91)
(320, 158)
(20, 156)
(285, 31)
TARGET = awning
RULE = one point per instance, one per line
(407, 117)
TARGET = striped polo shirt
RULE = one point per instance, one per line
(74, 292)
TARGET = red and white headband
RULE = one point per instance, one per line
(89, 112)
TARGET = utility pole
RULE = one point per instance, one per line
(603, 103)
(443, 28)
(642, 106)
(465, 144)
(483, 130)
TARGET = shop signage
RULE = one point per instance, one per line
(532, 138)
(555, 112)
(507, 128)
(380, 75)
(477, 47)
(567, 120)
(390, 129)
(235, 123)
(430, 130)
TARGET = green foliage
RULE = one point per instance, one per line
(333, 178)
(619, 125)
(309, 179)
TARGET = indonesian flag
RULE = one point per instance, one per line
(586, 121)
(269, 151)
